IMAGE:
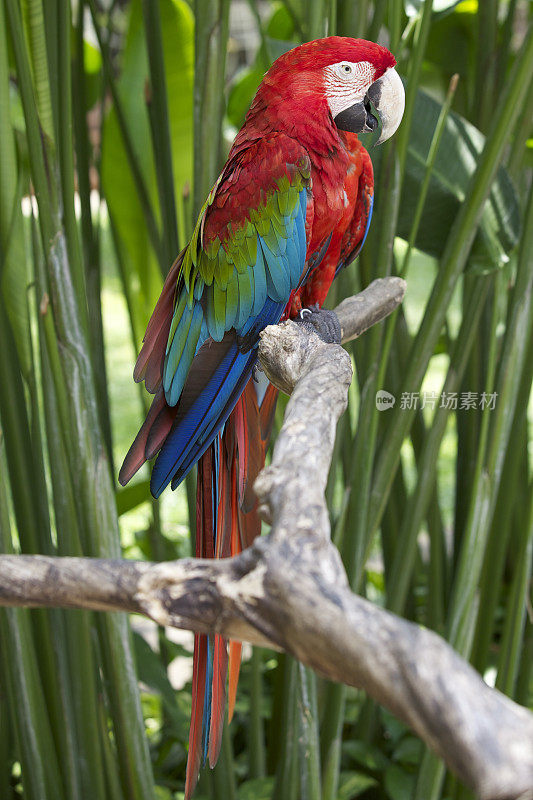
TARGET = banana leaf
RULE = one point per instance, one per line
(454, 165)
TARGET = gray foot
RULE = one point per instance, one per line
(323, 322)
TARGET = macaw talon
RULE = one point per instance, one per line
(323, 322)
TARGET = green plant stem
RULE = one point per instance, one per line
(86, 769)
(464, 603)
(352, 18)
(516, 616)
(486, 60)
(160, 127)
(332, 18)
(90, 244)
(308, 738)
(137, 323)
(256, 747)
(8, 156)
(109, 757)
(65, 155)
(222, 778)
(408, 32)
(6, 739)
(474, 537)
(523, 132)
(454, 258)
(41, 169)
(190, 488)
(263, 49)
(296, 21)
(38, 52)
(88, 464)
(47, 637)
(525, 672)
(286, 786)
(211, 37)
(418, 503)
(380, 8)
(395, 23)
(316, 16)
(133, 159)
(520, 321)
(505, 44)
(16, 435)
(509, 495)
(468, 427)
(419, 435)
(437, 572)
(28, 712)
(430, 163)
(27, 705)
(413, 79)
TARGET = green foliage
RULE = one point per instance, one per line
(439, 499)
(142, 271)
(456, 161)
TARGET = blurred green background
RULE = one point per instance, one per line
(115, 119)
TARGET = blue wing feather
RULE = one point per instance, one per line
(178, 364)
(208, 401)
(209, 362)
(260, 281)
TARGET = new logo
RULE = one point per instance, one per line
(384, 400)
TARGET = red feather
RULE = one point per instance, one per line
(250, 456)
(218, 699)
(205, 505)
(150, 359)
(160, 415)
(195, 731)
(235, 649)
(350, 230)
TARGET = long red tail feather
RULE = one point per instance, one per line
(227, 522)
(195, 731)
(218, 699)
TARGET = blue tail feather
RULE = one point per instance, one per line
(216, 378)
(204, 440)
(207, 697)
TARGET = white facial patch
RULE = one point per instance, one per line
(346, 83)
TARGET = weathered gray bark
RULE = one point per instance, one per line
(289, 590)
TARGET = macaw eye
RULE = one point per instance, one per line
(344, 69)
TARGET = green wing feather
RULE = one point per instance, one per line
(227, 277)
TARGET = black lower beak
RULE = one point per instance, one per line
(371, 123)
(357, 118)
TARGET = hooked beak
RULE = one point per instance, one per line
(387, 97)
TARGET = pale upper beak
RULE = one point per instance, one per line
(387, 97)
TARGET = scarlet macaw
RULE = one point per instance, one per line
(291, 207)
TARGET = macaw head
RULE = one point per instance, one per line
(351, 80)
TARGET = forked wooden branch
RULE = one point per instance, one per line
(289, 590)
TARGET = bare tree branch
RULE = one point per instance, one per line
(358, 313)
(289, 590)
